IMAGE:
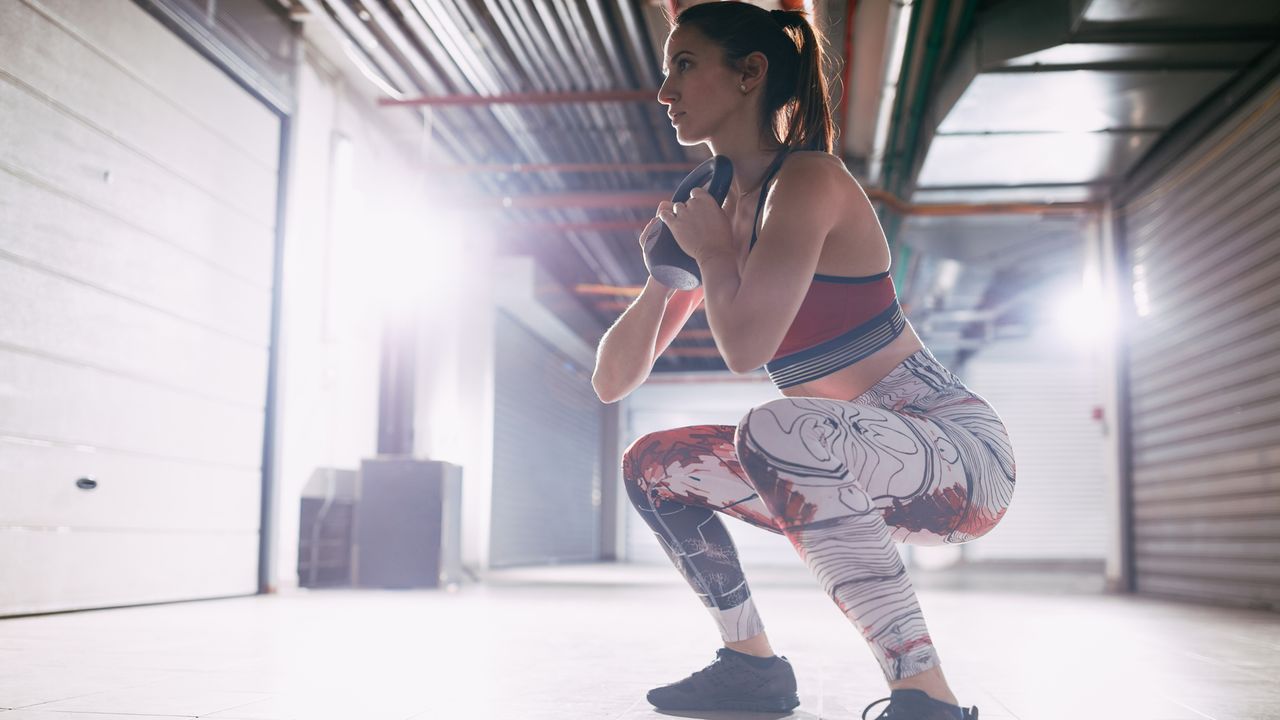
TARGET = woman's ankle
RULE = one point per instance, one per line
(757, 646)
(931, 682)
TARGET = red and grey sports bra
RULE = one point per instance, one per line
(841, 320)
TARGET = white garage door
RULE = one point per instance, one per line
(137, 211)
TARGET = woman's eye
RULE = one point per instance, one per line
(682, 64)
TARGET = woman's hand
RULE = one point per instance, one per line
(700, 226)
(649, 235)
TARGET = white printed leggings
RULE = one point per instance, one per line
(918, 458)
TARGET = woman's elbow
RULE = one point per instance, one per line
(742, 363)
(606, 392)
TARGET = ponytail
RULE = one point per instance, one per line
(807, 113)
(795, 107)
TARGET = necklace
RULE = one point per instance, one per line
(743, 193)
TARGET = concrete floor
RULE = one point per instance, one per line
(580, 642)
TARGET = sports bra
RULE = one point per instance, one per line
(841, 320)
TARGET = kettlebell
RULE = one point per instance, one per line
(667, 263)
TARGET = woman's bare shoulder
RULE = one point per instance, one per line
(817, 166)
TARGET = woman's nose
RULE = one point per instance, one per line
(665, 94)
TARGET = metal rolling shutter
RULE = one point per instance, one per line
(1203, 244)
(137, 228)
(546, 460)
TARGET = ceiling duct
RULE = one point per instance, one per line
(1055, 100)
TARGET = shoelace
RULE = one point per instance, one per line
(888, 714)
(712, 671)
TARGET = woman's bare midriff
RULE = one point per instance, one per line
(856, 244)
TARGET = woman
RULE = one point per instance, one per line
(873, 441)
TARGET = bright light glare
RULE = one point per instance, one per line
(403, 252)
(1141, 295)
(1084, 315)
(413, 262)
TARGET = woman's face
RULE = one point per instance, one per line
(700, 91)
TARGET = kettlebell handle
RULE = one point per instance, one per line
(667, 263)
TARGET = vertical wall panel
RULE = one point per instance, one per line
(1203, 243)
(546, 464)
(1045, 391)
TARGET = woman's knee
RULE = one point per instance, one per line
(635, 459)
(760, 423)
(763, 422)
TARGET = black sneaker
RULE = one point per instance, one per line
(917, 705)
(731, 683)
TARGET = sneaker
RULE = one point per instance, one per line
(731, 683)
(917, 705)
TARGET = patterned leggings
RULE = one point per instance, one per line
(918, 458)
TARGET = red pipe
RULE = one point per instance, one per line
(586, 200)
(562, 167)
(529, 98)
(598, 226)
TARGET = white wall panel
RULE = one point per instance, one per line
(129, 38)
(107, 96)
(1045, 390)
(42, 399)
(57, 318)
(52, 148)
(97, 249)
(52, 571)
(38, 482)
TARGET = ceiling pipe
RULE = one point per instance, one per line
(650, 199)
(535, 228)
(548, 98)
(564, 167)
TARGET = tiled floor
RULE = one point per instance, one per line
(585, 642)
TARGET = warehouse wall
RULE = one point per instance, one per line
(367, 242)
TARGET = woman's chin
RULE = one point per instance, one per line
(688, 139)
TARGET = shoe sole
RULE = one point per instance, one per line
(784, 703)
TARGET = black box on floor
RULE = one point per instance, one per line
(408, 524)
(325, 529)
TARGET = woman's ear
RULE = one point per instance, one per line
(753, 69)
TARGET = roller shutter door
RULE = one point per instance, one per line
(137, 211)
(1203, 245)
(546, 464)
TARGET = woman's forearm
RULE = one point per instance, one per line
(625, 355)
(721, 279)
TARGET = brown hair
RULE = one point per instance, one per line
(795, 104)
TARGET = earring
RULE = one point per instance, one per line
(742, 87)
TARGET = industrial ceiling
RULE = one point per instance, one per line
(988, 131)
